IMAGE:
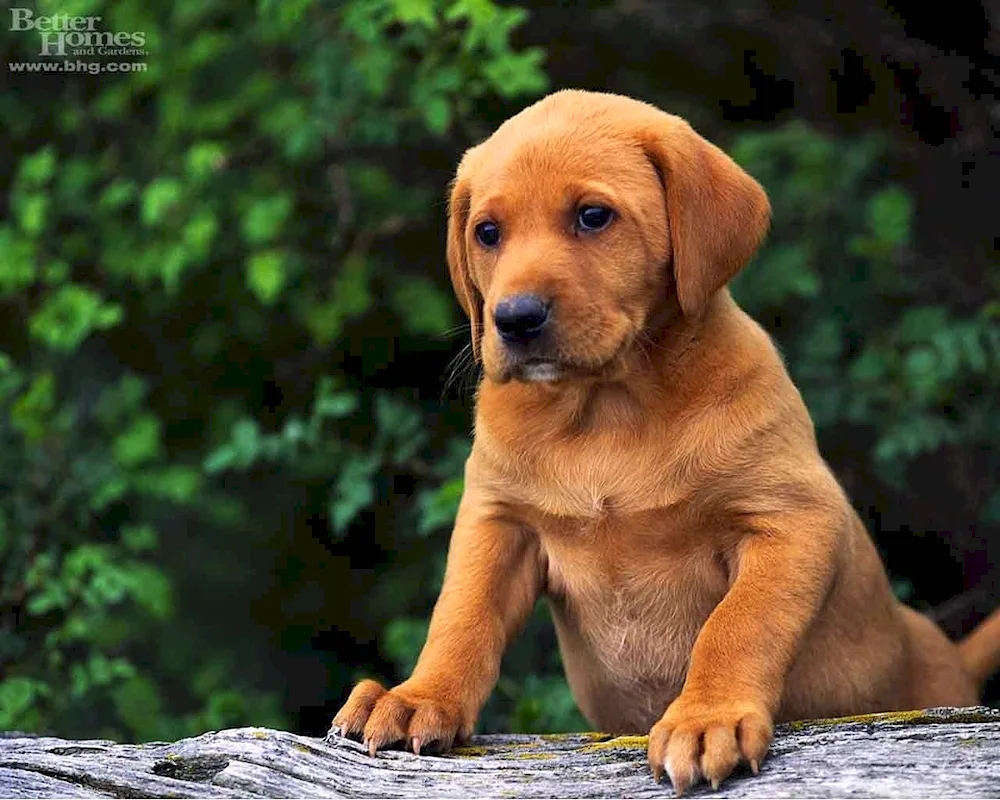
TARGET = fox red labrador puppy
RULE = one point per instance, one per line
(642, 458)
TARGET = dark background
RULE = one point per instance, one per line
(234, 404)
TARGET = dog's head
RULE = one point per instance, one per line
(581, 219)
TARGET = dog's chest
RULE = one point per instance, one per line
(594, 482)
(628, 600)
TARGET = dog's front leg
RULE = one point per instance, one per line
(492, 580)
(724, 714)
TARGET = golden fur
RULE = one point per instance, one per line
(659, 480)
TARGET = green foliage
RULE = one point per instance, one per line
(310, 448)
(865, 347)
(543, 703)
(173, 233)
(82, 591)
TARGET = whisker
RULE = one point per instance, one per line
(456, 364)
(462, 370)
(451, 333)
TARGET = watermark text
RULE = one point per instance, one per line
(68, 65)
(61, 35)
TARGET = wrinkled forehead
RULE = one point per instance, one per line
(547, 163)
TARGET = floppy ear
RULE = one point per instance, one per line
(458, 262)
(718, 214)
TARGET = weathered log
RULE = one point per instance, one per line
(937, 753)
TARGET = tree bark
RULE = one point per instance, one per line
(937, 753)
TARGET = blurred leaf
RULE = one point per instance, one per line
(159, 198)
(220, 459)
(889, 214)
(351, 289)
(31, 413)
(18, 266)
(151, 589)
(423, 307)
(31, 212)
(333, 404)
(916, 324)
(118, 193)
(139, 443)
(199, 233)
(38, 168)
(783, 273)
(403, 640)
(266, 217)
(439, 507)
(517, 73)
(437, 113)
(17, 696)
(546, 704)
(175, 482)
(399, 427)
(139, 538)
(204, 159)
(411, 12)
(70, 314)
(138, 704)
(266, 275)
(352, 491)
(245, 442)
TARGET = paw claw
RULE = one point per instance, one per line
(399, 718)
(681, 782)
(697, 741)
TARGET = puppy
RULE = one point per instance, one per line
(642, 458)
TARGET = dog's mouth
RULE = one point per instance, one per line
(545, 361)
(538, 370)
(551, 368)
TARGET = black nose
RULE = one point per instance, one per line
(521, 318)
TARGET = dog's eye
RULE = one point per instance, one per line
(488, 234)
(593, 218)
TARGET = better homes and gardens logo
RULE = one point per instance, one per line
(63, 35)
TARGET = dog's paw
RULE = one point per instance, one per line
(696, 739)
(400, 717)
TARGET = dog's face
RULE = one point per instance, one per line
(583, 217)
